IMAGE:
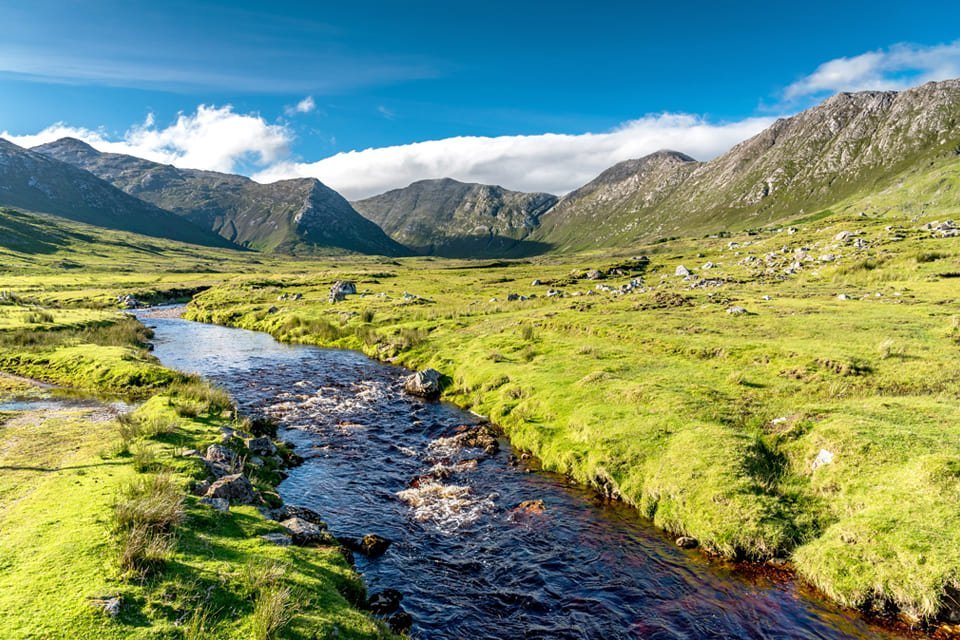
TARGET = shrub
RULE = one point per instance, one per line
(151, 501)
(274, 609)
(143, 550)
(258, 576)
(889, 349)
(367, 315)
(194, 397)
(528, 332)
(144, 457)
(38, 316)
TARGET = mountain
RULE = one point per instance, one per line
(454, 219)
(851, 143)
(36, 182)
(290, 216)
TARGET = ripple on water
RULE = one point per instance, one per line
(468, 563)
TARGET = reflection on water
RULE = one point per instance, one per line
(468, 562)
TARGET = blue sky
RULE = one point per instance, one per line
(481, 78)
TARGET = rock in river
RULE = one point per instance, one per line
(384, 602)
(425, 384)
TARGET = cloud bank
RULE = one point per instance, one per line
(550, 162)
(898, 67)
(212, 138)
(220, 139)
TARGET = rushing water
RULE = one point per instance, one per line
(470, 565)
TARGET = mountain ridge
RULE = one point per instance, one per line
(35, 182)
(446, 217)
(297, 216)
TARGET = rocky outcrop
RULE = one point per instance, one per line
(851, 142)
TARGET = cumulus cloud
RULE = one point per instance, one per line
(307, 105)
(898, 67)
(212, 138)
(550, 162)
(220, 139)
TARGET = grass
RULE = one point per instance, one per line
(93, 508)
(710, 424)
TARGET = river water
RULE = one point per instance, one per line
(468, 563)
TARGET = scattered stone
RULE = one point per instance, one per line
(373, 545)
(843, 296)
(201, 488)
(400, 622)
(272, 309)
(288, 511)
(708, 265)
(512, 297)
(594, 274)
(823, 458)
(234, 488)
(736, 311)
(843, 236)
(109, 605)
(341, 289)
(261, 446)
(687, 542)
(553, 293)
(384, 602)
(682, 271)
(425, 384)
(219, 454)
(218, 504)
(529, 507)
(127, 301)
(536, 283)
(307, 534)
(277, 538)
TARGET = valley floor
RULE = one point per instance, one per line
(791, 393)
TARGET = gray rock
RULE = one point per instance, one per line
(261, 446)
(234, 488)
(682, 271)
(219, 504)
(736, 311)
(110, 605)
(384, 602)
(277, 538)
(288, 511)
(341, 289)
(307, 534)
(219, 454)
(425, 384)
(687, 542)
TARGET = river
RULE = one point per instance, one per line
(468, 563)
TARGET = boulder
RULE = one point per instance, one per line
(384, 602)
(307, 534)
(682, 271)
(686, 542)
(400, 622)
(823, 458)
(109, 605)
(219, 455)
(425, 384)
(234, 488)
(261, 446)
(373, 546)
(277, 538)
(288, 511)
(736, 311)
(341, 289)
(594, 274)
(218, 504)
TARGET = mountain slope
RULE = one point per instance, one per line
(850, 143)
(289, 216)
(33, 181)
(454, 219)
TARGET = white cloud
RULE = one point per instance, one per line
(551, 162)
(213, 138)
(897, 67)
(307, 105)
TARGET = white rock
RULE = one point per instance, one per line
(823, 458)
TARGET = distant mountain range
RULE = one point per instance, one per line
(291, 216)
(454, 219)
(852, 143)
